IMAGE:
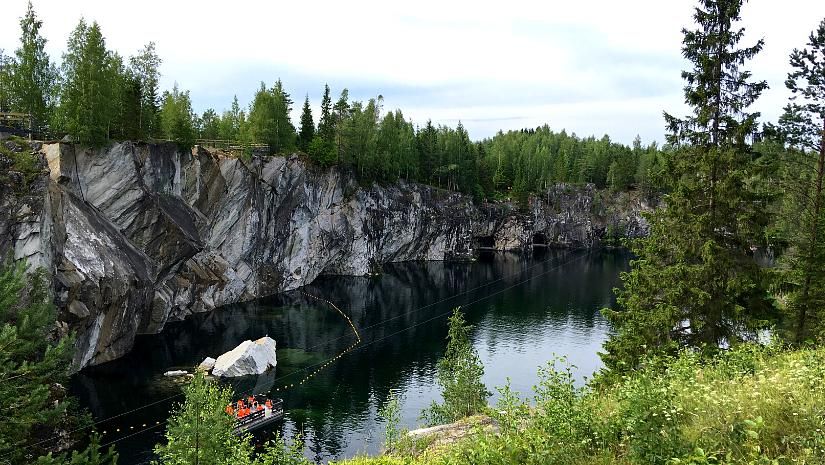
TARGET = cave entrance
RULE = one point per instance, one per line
(484, 243)
(539, 240)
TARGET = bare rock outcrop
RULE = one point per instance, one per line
(137, 235)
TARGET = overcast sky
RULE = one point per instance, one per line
(590, 66)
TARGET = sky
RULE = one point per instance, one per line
(592, 67)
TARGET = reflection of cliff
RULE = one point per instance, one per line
(392, 313)
(136, 236)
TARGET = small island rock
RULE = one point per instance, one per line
(249, 358)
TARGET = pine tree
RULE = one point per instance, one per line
(459, 375)
(33, 77)
(695, 282)
(200, 432)
(33, 365)
(307, 131)
(804, 124)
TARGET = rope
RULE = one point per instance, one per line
(441, 315)
(326, 363)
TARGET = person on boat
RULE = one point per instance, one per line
(229, 410)
(268, 404)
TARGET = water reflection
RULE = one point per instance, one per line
(524, 308)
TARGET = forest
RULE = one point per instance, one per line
(96, 96)
(715, 356)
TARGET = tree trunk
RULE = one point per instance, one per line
(803, 308)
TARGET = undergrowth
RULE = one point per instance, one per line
(751, 406)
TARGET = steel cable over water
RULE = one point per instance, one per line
(355, 346)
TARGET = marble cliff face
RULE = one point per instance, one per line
(135, 235)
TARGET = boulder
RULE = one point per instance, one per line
(249, 358)
(207, 364)
(175, 373)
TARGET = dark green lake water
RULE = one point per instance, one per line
(525, 310)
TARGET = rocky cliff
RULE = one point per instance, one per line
(136, 235)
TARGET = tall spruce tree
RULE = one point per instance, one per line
(307, 131)
(33, 76)
(87, 94)
(326, 124)
(695, 282)
(804, 126)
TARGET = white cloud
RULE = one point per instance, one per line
(592, 66)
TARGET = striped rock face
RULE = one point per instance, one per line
(137, 235)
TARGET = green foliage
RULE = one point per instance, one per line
(390, 412)
(177, 118)
(307, 131)
(326, 124)
(91, 455)
(32, 361)
(803, 126)
(269, 121)
(695, 282)
(750, 405)
(31, 76)
(90, 84)
(145, 70)
(459, 376)
(24, 161)
(209, 125)
(280, 452)
(199, 431)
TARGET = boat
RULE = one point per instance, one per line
(255, 412)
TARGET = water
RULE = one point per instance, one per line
(525, 310)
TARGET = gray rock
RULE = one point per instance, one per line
(207, 364)
(78, 309)
(249, 358)
(142, 234)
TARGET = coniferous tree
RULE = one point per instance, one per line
(695, 282)
(33, 366)
(307, 131)
(33, 76)
(200, 432)
(804, 126)
(427, 147)
(326, 124)
(459, 375)
(210, 124)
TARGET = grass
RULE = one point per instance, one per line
(751, 405)
(24, 162)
